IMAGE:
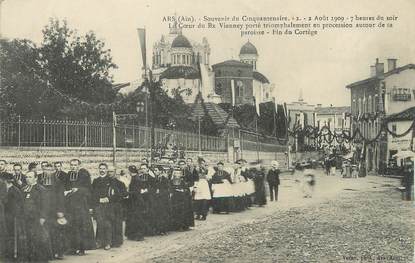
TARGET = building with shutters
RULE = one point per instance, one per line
(384, 93)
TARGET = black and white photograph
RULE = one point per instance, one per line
(207, 131)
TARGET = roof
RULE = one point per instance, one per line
(180, 72)
(233, 63)
(380, 77)
(248, 48)
(218, 115)
(260, 77)
(406, 115)
(181, 41)
(119, 86)
(333, 110)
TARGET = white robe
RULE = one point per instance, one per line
(222, 190)
(201, 189)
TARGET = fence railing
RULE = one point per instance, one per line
(69, 133)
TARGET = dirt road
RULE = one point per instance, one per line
(278, 231)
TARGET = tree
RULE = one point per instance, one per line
(66, 76)
(79, 66)
(22, 88)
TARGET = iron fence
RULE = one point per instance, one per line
(70, 133)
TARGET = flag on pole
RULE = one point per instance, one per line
(276, 105)
(233, 91)
(142, 38)
(257, 106)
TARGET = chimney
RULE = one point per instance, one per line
(372, 71)
(380, 69)
(391, 64)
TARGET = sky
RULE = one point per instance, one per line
(321, 66)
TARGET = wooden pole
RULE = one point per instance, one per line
(200, 139)
(114, 138)
(257, 137)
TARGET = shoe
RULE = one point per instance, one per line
(107, 247)
(80, 252)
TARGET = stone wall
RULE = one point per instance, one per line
(91, 157)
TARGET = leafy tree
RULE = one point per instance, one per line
(77, 65)
(23, 91)
(66, 76)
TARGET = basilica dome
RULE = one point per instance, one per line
(181, 42)
(248, 49)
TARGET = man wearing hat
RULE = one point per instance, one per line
(221, 188)
(273, 179)
(134, 225)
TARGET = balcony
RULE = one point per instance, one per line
(401, 97)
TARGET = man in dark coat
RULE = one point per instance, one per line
(259, 181)
(55, 188)
(135, 224)
(162, 201)
(181, 202)
(107, 195)
(147, 186)
(273, 179)
(78, 204)
(59, 173)
(16, 237)
(3, 199)
(19, 179)
(408, 180)
(35, 208)
(190, 172)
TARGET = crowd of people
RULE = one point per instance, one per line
(46, 213)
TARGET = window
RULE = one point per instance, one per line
(401, 94)
(218, 89)
(369, 104)
(239, 89)
(394, 128)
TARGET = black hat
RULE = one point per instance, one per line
(238, 161)
(132, 169)
(220, 162)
